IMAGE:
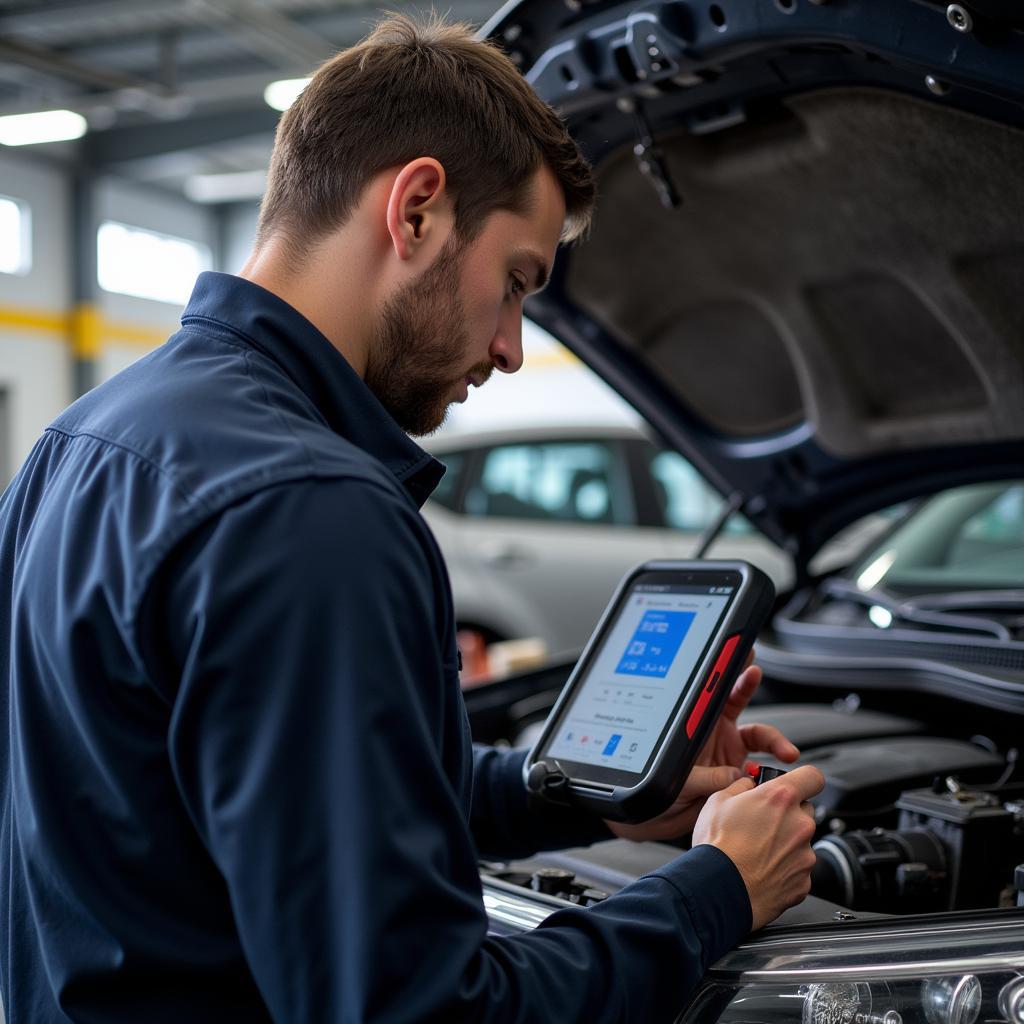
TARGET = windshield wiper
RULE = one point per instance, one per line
(911, 611)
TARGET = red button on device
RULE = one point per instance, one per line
(709, 687)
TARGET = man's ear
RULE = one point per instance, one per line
(419, 211)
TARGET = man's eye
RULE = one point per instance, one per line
(518, 287)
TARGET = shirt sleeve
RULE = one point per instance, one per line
(308, 742)
(507, 823)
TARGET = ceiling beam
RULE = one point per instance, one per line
(96, 22)
(42, 58)
(141, 142)
(71, 24)
(267, 32)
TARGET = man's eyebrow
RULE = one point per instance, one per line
(529, 256)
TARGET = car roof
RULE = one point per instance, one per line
(459, 440)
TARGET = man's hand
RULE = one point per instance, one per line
(766, 832)
(730, 743)
(718, 764)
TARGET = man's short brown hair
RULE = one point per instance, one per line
(414, 89)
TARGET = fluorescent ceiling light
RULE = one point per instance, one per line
(281, 95)
(45, 126)
(225, 188)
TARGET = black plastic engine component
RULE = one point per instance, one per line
(978, 834)
(549, 880)
(816, 725)
(552, 881)
(953, 850)
(881, 870)
(862, 776)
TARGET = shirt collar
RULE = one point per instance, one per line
(283, 334)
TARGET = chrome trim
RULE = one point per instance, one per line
(892, 949)
(512, 910)
(885, 972)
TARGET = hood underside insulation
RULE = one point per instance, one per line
(855, 261)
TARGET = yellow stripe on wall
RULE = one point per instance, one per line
(86, 331)
(84, 328)
(34, 320)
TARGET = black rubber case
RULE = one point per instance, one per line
(627, 797)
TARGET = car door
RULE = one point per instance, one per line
(552, 528)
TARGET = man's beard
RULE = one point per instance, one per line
(420, 343)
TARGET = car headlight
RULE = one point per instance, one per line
(956, 970)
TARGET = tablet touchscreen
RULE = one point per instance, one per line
(641, 671)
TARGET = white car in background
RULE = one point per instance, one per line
(538, 525)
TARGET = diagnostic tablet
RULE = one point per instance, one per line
(649, 687)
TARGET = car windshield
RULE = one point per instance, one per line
(967, 538)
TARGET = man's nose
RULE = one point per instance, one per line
(506, 349)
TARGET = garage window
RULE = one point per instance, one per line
(15, 237)
(146, 264)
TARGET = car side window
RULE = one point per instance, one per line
(447, 490)
(571, 481)
(687, 501)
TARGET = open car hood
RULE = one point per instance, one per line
(806, 269)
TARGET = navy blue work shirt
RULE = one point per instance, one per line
(238, 783)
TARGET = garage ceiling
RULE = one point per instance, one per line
(174, 88)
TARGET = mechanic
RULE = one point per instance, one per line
(239, 784)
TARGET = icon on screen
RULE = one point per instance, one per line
(612, 743)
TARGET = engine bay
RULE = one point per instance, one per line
(907, 823)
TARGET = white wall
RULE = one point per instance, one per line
(144, 208)
(35, 362)
(239, 233)
(553, 387)
(46, 188)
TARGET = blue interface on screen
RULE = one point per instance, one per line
(655, 643)
(635, 679)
